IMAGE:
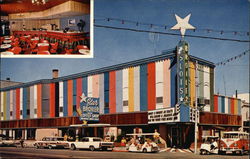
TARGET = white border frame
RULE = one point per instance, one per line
(91, 55)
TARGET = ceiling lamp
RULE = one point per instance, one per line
(39, 2)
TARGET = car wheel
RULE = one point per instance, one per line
(202, 152)
(37, 146)
(92, 148)
(73, 147)
(144, 150)
(50, 147)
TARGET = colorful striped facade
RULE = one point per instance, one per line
(140, 85)
(228, 105)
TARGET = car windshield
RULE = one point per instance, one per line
(231, 135)
(97, 139)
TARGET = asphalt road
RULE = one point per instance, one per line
(21, 153)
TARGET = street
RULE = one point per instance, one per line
(12, 152)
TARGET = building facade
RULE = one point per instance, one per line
(130, 97)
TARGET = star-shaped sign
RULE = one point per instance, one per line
(182, 24)
(83, 98)
(181, 99)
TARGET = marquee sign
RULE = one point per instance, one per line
(89, 108)
(182, 73)
(164, 115)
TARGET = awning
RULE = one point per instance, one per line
(219, 127)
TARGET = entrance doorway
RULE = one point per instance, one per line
(176, 138)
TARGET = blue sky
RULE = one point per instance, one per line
(117, 46)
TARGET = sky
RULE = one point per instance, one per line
(120, 46)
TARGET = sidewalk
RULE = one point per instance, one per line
(120, 149)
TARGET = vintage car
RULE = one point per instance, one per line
(91, 143)
(52, 142)
(7, 141)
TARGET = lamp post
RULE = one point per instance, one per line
(196, 107)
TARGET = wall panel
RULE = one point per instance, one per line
(166, 84)
(137, 88)
(125, 92)
(112, 92)
(151, 86)
(131, 89)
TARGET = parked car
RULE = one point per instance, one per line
(52, 142)
(209, 145)
(91, 143)
(7, 141)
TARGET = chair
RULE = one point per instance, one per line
(43, 53)
(43, 48)
(54, 47)
(33, 48)
(15, 43)
(82, 47)
(68, 51)
(44, 41)
(16, 50)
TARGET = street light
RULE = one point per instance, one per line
(196, 108)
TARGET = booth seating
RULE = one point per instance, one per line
(16, 50)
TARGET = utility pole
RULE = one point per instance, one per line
(196, 107)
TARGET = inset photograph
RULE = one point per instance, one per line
(45, 28)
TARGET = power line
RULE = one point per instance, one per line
(166, 33)
(224, 62)
(167, 27)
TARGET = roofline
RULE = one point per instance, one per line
(166, 54)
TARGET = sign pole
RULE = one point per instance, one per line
(196, 107)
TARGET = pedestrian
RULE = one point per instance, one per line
(21, 143)
(123, 142)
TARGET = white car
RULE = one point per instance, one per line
(52, 142)
(146, 147)
(91, 143)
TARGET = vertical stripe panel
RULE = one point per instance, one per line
(143, 88)
(173, 83)
(222, 104)
(21, 103)
(211, 73)
(215, 109)
(90, 86)
(229, 106)
(239, 107)
(70, 97)
(78, 92)
(11, 104)
(159, 83)
(125, 89)
(101, 93)
(206, 87)
(85, 85)
(39, 100)
(166, 84)
(137, 88)
(74, 97)
(35, 101)
(18, 103)
(226, 105)
(52, 100)
(61, 99)
(192, 83)
(119, 91)
(131, 89)
(201, 80)
(235, 106)
(24, 103)
(14, 105)
(31, 102)
(4, 105)
(151, 86)
(65, 98)
(106, 93)
(232, 105)
(112, 92)
(95, 86)
(219, 104)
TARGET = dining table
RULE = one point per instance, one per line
(7, 41)
(84, 51)
(5, 46)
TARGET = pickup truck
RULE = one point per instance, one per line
(52, 142)
(91, 143)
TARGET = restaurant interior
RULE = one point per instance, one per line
(45, 27)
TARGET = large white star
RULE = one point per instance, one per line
(83, 98)
(182, 24)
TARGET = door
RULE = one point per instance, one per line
(175, 133)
